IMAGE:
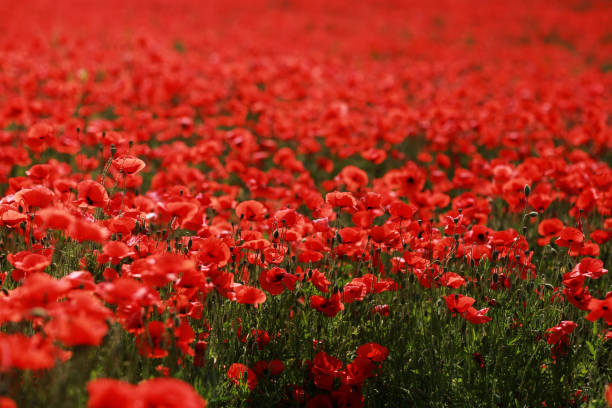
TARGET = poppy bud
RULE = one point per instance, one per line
(113, 150)
(533, 214)
(189, 244)
(338, 238)
(527, 190)
(276, 234)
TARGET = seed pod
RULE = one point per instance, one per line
(527, 190)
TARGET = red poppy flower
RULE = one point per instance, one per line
(153, 341)
(320, 281)
(353, 178)
(354, 291)
(114, 252)
(6, 402)
(358, 371)
(29, 353)
(127, 164)
(324, 369)
(458, 303)
(240, 374)
(341, 199)
(548, 229)
(110, 393)
(55, 218)
(560, 333)
(12, 219)
(81, 230)
(475, 316)
(39, 136)
(250, 210)
(37, 196)
(591, 268)
(401, 210)
(213, 251)
(27, 263)
(169, 393)
(329, 307)
(600, 309)
(81, 320)
(275, 280)
(93, 194)
(572, 238)
(249, 295)
(373, 351)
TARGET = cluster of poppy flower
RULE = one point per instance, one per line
(149, 184)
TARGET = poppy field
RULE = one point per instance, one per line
(305, 203)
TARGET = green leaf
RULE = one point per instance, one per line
(591, 348)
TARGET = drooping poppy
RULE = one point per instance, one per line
(127, 164)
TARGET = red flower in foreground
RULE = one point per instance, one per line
(475, 316)
(373, 351)
(92, 193)
(251, 210)
(239, 373)
(600, 309)
(249, 295)
(154, 393)
(275, 280)
(329, 307)
(458, 303)
(324, 369)
(7, 403)
(110, 393)
(169, 393)
(127, 164)
(571, 238)
(560, 334)
(40, 135)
